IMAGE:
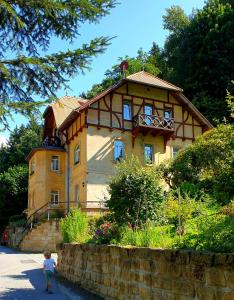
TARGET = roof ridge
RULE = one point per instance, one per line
(151, 75)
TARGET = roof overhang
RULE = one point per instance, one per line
(175, 91)
(34, 150)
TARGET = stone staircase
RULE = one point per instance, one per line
(43, 236)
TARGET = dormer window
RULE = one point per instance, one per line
(127, 110)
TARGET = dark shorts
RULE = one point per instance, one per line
(48, 275)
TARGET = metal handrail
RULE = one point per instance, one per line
(41, 212)
(153, 121)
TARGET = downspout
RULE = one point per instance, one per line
(68, 178)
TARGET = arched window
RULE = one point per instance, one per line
(77, 155)
(118, 150)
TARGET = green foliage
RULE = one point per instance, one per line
(213, 233)
(230, 101)
(14, 170)
(148, 236)
(135, 193)
(74, 227)
(17, 220)
(179, 207)
(200, 54)
(208, 163)
(149, 62)
(13, 192)
(26, 31)
(21, 141)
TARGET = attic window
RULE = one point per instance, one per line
(94, 105)
(127, 110)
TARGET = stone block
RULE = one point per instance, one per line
(183, 287)
(161, 282)
(215, 277)
(229, 296)
(230, 280)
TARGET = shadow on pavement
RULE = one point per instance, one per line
(35, 292)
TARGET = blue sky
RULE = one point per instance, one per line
(135, 23)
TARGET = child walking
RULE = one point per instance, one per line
(48, 266)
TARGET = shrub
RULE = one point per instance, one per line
(149, 236)
(214, 233)
(208, 163)
(17, 220)
(135, 193)
(180, 206)
(74, 227)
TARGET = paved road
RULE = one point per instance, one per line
(21, 278)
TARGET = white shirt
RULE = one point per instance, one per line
(49, 264)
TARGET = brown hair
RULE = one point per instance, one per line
(47, 254)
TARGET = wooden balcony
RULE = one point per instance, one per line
(52, 141)
(155, 125)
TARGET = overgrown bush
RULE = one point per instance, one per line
(135, 193)
(210, 233)
(208, 163)
(74, 227)
(181, 206)
(149, 236)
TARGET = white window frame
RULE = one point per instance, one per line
(145, 158)
(118, 158)
(55, 163)
(77, 154)
(53, 200)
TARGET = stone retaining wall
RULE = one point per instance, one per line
(143, 273)
(45, 236)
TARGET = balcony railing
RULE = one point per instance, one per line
(52, 141)
(153, 121)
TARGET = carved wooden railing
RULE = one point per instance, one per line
(153, 121)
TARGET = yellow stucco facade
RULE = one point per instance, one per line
(43, 180)
(160, 119)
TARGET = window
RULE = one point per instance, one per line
(54, 197)
(32, 167)
(55, 163)
(77, 155)
(167, 115)
(148, 111)
(149, 154)
(118, 150)
(127, 111)
(175, 150)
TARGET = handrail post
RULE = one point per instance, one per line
(48, 212)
